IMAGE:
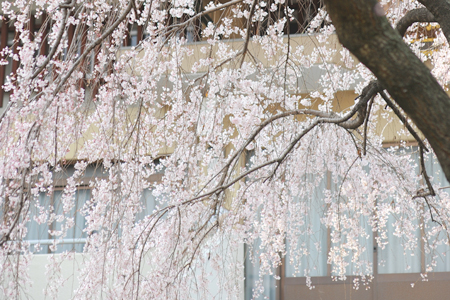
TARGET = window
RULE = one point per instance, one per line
(58, 218)
(7, 35)
(307, 254)
(42, 233)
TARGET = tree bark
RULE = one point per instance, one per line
(416, 15)
(362, 28)
(441, 10)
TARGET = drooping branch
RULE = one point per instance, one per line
(201, 14)
(78, 61)
(424, 194)
(91, 47)
(249, 24)
(344, 122)
(422, 146)
(366, 122)
(322, 117)
(403, 119)
(423, 170)
(65, 8)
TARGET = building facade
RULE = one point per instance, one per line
(396, 272)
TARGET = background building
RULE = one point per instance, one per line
(397, 272)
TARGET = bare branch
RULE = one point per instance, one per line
(366, 122)
(368, 92)
(431, 208)
(5, 111)
(414, 16)
(424, 194)
(203, 13)
(55, 44)
(249, 24)
(403, 119)
(424, 173)
(92, 46)
(369, 36)
(68, 4)
(441, 10)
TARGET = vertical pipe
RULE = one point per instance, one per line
(70, 33)
(126, 38)
(3, 44)
(94, 81)
(44, 28)
(81, 83)
(375, 267)
(328, 228)
(140, 33)
(15, 63)
(32, 27)
(282, 275)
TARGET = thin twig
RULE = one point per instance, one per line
(199, 15)
(431, 211)
(279, 160)
(249, 24)
(365, 126)
(92, 46)
(424, 173)
(325, 117)
(403, 119)
(345, 177)
(55, 44)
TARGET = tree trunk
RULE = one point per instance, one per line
(363, 29)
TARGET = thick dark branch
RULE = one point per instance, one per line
(68, 4)
(363, 29)
(414, 16)
(368, 92)
(359, 109)
(411, 17)
(323, 117)
(441, 10)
